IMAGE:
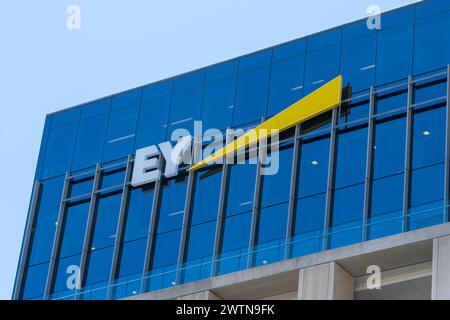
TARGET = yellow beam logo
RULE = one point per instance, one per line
(316, 103)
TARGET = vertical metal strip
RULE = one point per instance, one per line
(90, 226)
(293, 192)
(185, 229)
(27, 241)
(120, 226)
(255, 214)
(447, 152)
(369, 164)
(152, 230)
(58, 238)
(330, 181)
(408, 148)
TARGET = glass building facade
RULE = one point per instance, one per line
(376, 166)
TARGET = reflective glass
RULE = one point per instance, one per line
(241, 188)
(186, 107)
(161, 88)
(95, 108)
(80, 187)
(44, 233)
(66, 275)
(60, 145)
(255, 60)
(286, 84)
(120, 134)
(218, 103)
(166, 249)
(139, 212)
(172, 204)
(152, 123)
(394, 56)
(222, 70)
(189, 80)
(74, 229)
(428, 138)
(133, 256)
(35, 281)
(106, 221)
(113, 177)
(251, 96)
(324, 39)
(65, 117)
(426, 8)
(321, 67)
(288, 50)
(351, 157)
(99, 266)
(126, 99)
(201, 241)
(51, 192)
(206, 198)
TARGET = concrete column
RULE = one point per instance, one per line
(204, 295)
(440, 288)
(325, 282)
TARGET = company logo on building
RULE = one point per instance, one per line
(164, 159)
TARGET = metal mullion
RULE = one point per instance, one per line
(187, 217)
(152, 230)
(369, 164)
(90, 226)
(330, 181)
(57, 238)
(447, 151)
(25, 254)
(120, 227)
(408, 148)
(293, 191)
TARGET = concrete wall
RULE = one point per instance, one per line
(440, 289)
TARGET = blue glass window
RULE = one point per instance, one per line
(351, 157)
(90, 140)
(346, 219)
(65, 270)
(428, 138)
(394, 56)
(126, 99)
(251, 96)
(426, 8)
(430, 51)
(43, 236)
(166, 249)
(51, 191)
(113, 177)
(324, 39)
(35, 281)
(353, 113)
(133, 256)
(161, 88)
(201, 241)
(60, 145)
(286, 84)
(106, 221)
(173, 198)
(121, 132)
(65, 117)
(99, 266)
(152, 124)
(241, 188)
(321, 67)
(189, 80)
(74, 229)
(358, 62)
(186, 108)
(389, 148)
(387, 102)
(139, 212)
(313, 174)
(218, 103)
(82, 186)
(222, 70)
(387, 207)
(276, 187)
(206, 198)
(95, 108)
(288, 50)
(255, 60)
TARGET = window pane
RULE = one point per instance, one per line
(218, 103)
(206, 198)
(90, 140)
(66, 271)
(82, 186)
(321, 67)
(387, 207)
(95, 108)
(99, 266)
(428, 34)
(65, 117)
(313, 174)
(222, 70)
(394, 57)
(121, 132)
(201, 241)
(286, 84)
(133, 256)
(358, 62)
(275, 188)
(106, 221)
(35, 281)
(347, 215)
(166, 249)
(152, 123)
(58, 156)
(288, 50)
(51, 191)
(251, 96)
(154, 90)
(255, 60)
(186, 107)
(126, 99)
(139, 212)
(43, 236)
(241, 188)
(351, 157)
(389, 148)
(113, 177)
(429, 138)
(172, 204)
(74, 229)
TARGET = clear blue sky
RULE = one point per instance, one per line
(44, 67)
